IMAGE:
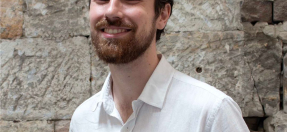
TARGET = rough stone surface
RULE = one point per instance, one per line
(284, 48)
(11, 19)
(207, 15)
(271, 31)
(282, 27)
(29, 126)
(43, 79)
(280, 10)
(56, 19)
(254, 11)
(283, 36)
(253, 30)
(285, 83)
(276, 123)
(62, 126)
(243, 66)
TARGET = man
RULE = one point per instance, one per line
(143, 93)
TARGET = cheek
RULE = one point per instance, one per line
(95, 14)
(139, 17)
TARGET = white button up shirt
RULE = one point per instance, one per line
(170, 102)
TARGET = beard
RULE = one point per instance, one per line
(121, 50)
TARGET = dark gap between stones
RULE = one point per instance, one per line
(253, 23)
(255, 123)
(281, 98)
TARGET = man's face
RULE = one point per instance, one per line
(122, 30)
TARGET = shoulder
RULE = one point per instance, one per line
(185, 91)
(226, 117)
(201, 101)
(192, 85)
(86, 108)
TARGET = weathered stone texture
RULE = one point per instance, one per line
(271, 31)
(62, 126)
(244, 66)
(11, 19)
(29, 126)
(285, 83)
(284, 48)
(276, 123)
(256, 11)
(282, 27)
(207, 15)
(280, 10)
(43, 79)
(253, 30)
(283, 36)
(56, 19)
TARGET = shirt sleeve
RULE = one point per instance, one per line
(228, 118)
(71, 126)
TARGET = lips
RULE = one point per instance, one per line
(114, 30)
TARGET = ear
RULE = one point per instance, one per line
(163, 17)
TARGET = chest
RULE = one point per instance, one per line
(151, 119)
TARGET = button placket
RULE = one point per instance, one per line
(137, 104)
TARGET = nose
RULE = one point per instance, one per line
(114, 11)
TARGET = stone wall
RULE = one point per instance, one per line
(48, 66)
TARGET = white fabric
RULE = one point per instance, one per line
(170, 102)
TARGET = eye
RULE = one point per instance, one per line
(133, 1)
(102, 1)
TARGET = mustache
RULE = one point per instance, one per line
(118, 23)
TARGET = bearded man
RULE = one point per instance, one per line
(142, 92)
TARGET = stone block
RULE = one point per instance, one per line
(27, 126)
(56, 19)
(43, 79)
(282, 27)
(204, 15)
(276, 123)
(271, 30)
(62, 126)
(256, 11)
(254, 29)
(283, 36)
(11, 19)
(284, 48)
(245, 67)
(285, 83)
(280, 10)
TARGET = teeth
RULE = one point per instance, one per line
(114, 31)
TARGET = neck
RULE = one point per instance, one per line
(129, 80)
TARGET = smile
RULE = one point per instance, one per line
(114, 32)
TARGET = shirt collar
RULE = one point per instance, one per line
(105, 95)
(154, 91)
(156, 88)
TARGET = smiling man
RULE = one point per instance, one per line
(143, 93)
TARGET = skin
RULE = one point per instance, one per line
(130, 78)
